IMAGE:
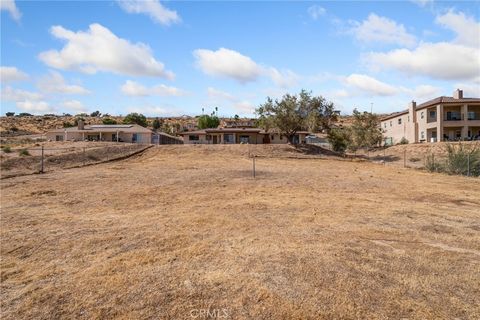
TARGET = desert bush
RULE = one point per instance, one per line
(339, 139)
(109, 121)
(6, 149)
(461, 159)
(414, 159)
(403, 141)
(67, 124)
(23, 152)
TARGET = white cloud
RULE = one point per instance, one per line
(219, 94)
(440, 60)
(15, 95)
(153, 8)
(98, 49)
(55, 83)
(132, 88)
(466, 28)
(423, 3)
(10, 6)
(470, 89)
(244, 107)
(74, 105)
(383, 30)
(35, 107)
(155, 110)
(283, 79)
(227, 63)
(370, 85)
(316, 11)
(423, 92)
(11, 74)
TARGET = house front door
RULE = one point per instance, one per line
(214, 139)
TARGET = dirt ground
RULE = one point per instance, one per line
(186, 232)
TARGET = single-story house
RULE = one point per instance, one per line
(132, 133)
(238, 135)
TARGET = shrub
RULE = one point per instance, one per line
(23, 152)
(6, 149)
(414, 159)
(462, 159)
(10, 114)
(339, 139)
(109, 121)
(14, 129)
(67, 124)
(403, 141)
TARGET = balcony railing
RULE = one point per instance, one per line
(453, 116)
(473, 116)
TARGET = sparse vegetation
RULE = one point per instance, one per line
(90, 251)
(10, 114)
(460, 159)
(6, 149)
(403, 141)
(23, 152)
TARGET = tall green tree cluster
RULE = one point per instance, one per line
(208, 121)
(293, 113)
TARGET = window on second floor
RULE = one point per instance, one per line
(422, 115)
(385, 125)
(400, 121)
(390, 123)
(433, 114)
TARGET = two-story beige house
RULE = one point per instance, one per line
(440, 119)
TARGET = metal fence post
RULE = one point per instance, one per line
(253, 166)
(41, 167)
(468, 165)
(84, 156)
(405, 158)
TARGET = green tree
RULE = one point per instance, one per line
(236, 117)
(95, 114)
(136, 118)
(156, 123)
(205, 121)
(293, 113)
(109, 121)
(339, 139)
(365, 130)
(10, 114)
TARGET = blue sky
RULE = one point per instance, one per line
(173, 58)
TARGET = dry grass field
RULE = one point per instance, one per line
(185, 232)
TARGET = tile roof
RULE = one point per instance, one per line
(433, 102)
(133, 128)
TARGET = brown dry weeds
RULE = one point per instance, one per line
(181, 229)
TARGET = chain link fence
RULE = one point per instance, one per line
(461, 158)
(40, 159)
